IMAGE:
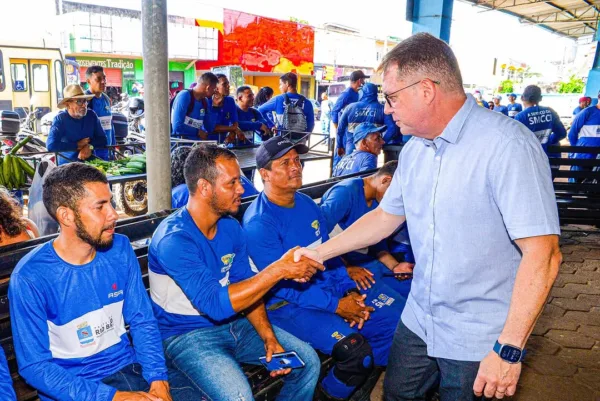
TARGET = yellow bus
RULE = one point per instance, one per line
(31, 79)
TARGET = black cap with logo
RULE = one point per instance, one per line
(275, 148)
(356, 75)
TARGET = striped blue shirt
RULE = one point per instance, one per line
(467, 195)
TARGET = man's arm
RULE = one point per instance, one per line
(32, 346)
(54, 142)
(180, 105)
(340, 136)
(338, 106)
(558, 130)
(309, 111)
(268, 109)
(537, 271)
(578, 123)
(143, 328)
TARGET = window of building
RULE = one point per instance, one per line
(208, 43)
(2, 84)
(96, 34)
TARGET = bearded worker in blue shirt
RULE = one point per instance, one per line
(484, 231)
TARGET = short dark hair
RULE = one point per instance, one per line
(178, 157)
(242, 89)
(289, 78)
(221, 76)
(11, 219)
(202, 163)
(208, 78)
(425, 54)
(92, 70)
(388, 168)
(65, 185)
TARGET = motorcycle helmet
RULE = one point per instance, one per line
(136, 106)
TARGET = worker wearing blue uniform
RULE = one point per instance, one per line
(345, 203)
(281, 218)
(285, 124)
(251, 121)
(585, 131)
(368, 142)
(100, 104)
(198, 296)
(366, 110)
(191, 115)
(72, 298)
(513, 108)
(348, 96)
(498, 107)
(224, 113)
(584, 102)
(542, 121)
(75, 132)
(479, 99)
(6, 389)
(180, 194)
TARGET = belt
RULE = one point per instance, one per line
(277, 305)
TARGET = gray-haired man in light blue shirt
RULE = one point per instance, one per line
(476, 191)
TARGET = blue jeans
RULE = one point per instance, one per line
(130, 379)
(210, 358)
(411, 374)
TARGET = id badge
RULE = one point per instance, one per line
(192, 122)
(106, 122)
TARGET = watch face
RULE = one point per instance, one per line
(510, 353)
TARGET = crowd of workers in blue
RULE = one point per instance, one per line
(223, 293)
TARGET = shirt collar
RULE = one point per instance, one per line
(452, 131)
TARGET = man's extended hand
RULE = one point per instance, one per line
(361, 276)
(309, 253)
(496, 378)
(135, 396)
(272, 346)
(202, 135)
(301, 270)
(341, 152)
(161, 390)
(404, 267)
(240, 135)
(352, 308)
(230, 138)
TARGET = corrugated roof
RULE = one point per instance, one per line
(570, 18)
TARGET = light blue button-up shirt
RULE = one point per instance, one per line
(467, 195)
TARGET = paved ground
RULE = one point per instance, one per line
(564, 350)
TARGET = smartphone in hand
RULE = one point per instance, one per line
(284, 360)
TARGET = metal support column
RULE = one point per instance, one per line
(156, 99)
(432, 16)
(592, 85)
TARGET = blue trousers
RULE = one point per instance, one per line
(381, 274)
(323, 329)
(210, 359)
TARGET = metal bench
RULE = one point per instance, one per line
(139, 230)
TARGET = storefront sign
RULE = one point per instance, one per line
(122, 64)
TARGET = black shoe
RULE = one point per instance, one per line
(321, 395)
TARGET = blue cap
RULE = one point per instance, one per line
(275, 148)
(512, 94)
(362, 130)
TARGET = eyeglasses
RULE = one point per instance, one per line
(388, 96)
(80, 102)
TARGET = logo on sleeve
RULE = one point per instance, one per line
(228, 262)
(316, 226)
(116, 293)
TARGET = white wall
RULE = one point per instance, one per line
(344, 49)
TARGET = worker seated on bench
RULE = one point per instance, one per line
(281, 218)
(179, 191)
(71, 298)
(348, 201)
(200, 282)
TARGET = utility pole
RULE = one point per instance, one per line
(156, 98)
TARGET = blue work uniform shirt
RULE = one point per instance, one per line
(250, 122)
(187, 126)
(545, 124)
(66, 131)
(347, 97)
(357, 161)
(514, 109)
(225, 114)
(189, 273)
(101, 106)
(464, 214)
(501, 109)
